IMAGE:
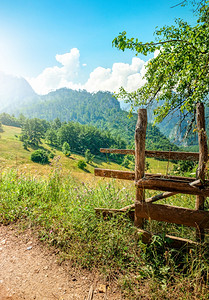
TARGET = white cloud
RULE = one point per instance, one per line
(56, 77)
(100, 79)
(121, 74)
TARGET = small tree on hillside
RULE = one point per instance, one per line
(88, 156)
(40, 156)
(66, 149)
(1, 128)
(51, 137)
(81, 164)
(33, 131)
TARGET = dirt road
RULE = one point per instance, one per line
(29, 270)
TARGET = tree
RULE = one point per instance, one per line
(184, 166)
(66, 149)
(32, 131)
(9, 120)
(56, 124)
(1, 128)
(81, 164)
(88, 156)
(179, 74)
(51, 137)
(196, 3)
(40, 156)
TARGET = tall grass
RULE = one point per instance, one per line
(61, 210)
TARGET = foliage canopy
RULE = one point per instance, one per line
(40, 156)
(66, 149)
(179, 74)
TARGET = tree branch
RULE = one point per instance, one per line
(178, 4)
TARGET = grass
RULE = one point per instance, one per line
(13, 155)
(61, 210)
(58, 202)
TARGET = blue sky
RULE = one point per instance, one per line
(33, 32)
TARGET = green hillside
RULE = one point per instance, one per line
(99, 109)
(14, 156)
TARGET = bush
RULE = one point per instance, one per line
(184, 166)
(66, 149)
(81, 164)
(88, 156)
(1, 128)
(51, 155)
(126, 162)
(40, 156)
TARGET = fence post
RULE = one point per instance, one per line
(140, 136)
(203, 158)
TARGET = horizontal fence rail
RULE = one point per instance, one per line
(168, 185)
(128, 175)
(173, 155)
(173, 214)
(175, 242)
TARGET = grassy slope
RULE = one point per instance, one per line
(12, 155)
(61, 210)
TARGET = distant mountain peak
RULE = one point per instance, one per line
(14, 91)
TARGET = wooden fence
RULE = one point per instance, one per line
(169, 185)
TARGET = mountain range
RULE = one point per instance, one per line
(99, 109)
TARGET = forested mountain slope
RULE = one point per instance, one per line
(100, 109)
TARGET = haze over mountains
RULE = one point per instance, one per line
(100, 109)
(14, 92)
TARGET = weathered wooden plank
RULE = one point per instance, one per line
(203, 158)
(110, 212)
(174, 242)
(196, 183)
(160, 197)
(140, 136)
(169, 194)
(118, 151)
(175, 186)
(173, 214)
(128, 175)
(172, 155)
(131, 206)
(151, 199)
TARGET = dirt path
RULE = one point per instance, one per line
(28, 270)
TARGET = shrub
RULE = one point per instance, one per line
(126, 162)
(1, 128)
(147, 166)
(66, 149)
(184, 166)
(81, 164)
(51, 155)
(40, 156)
(25, 145)
(88, 156)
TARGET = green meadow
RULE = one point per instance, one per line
(57, 202)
